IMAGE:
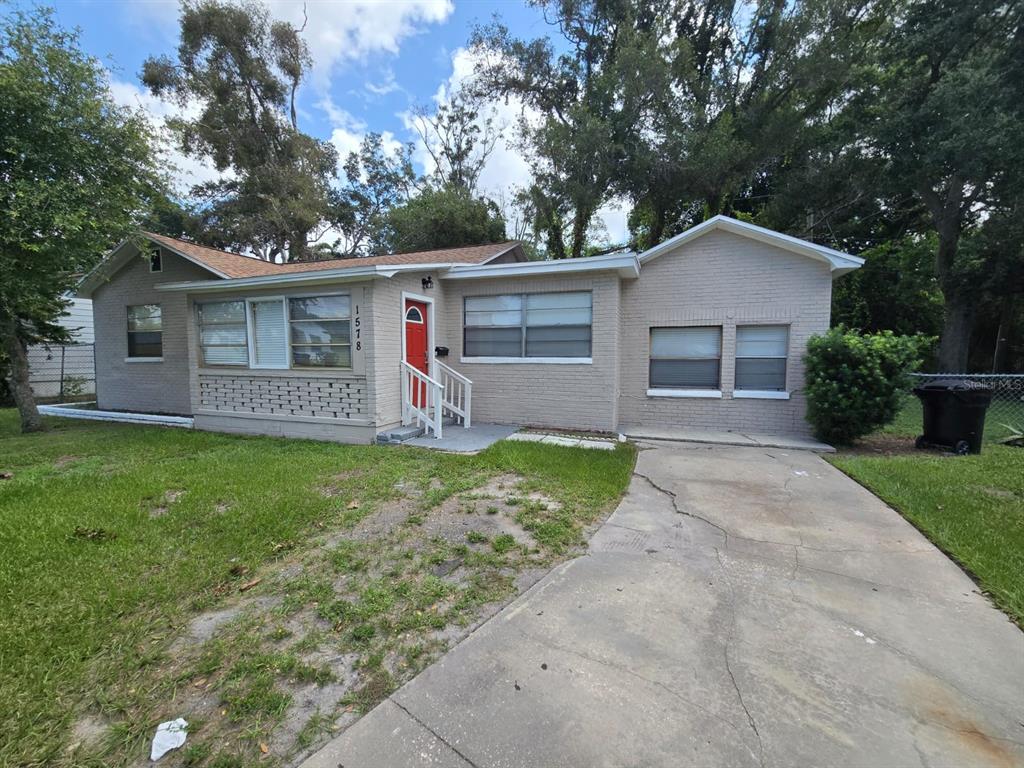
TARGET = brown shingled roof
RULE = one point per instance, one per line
(234, 265)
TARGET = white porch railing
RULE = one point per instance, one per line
(422, 399)
(458, 393)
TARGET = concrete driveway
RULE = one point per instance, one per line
(743, 606)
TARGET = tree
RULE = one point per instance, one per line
(459, 136)
(244, 72)
(376, 180)
(76, 169)
(586, 115)
(943, 111)
(448, 217)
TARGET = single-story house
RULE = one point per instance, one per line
(706, 330)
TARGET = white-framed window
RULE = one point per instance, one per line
(529, 325)
(320, 331)
(686, 358)
(145, 331)
(761, 353)
(268, 333)
(413, 315)
(223, 338)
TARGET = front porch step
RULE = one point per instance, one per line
(399, 435)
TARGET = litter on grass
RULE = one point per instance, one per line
(169, 735)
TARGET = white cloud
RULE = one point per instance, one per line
(351, 31)
(388, 85)
(185, 171)
(347, 131)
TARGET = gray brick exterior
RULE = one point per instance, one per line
(724, 280)
(154, 387)
(719, 279)
(322, 397)
(581, 396)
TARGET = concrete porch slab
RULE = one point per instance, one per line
(456, 439)
(723, 437)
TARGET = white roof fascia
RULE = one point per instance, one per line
(839, 262)
(311, 277)
(625, 264)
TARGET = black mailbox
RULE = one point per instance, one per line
(441, 351)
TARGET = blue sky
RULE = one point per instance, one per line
(374, 61)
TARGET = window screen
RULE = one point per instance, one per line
(761, 357)
(145, 331)
(529, 325)
(320, 332)
(222, 337)
(686, 358)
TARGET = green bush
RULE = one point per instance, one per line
(855, 382)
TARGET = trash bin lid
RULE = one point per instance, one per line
(953, 385)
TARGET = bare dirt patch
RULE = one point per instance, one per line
(170, 498)
(336, 624)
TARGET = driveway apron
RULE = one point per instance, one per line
(741, 607)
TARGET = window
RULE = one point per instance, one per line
(155, 262)
(539, 325)
(320, 332)
(761, 357)
(269, 333)
(414, 315)
(145, 336)
(222, 333)
(686, 358)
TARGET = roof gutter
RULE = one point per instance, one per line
(311, 277)
(625, 264)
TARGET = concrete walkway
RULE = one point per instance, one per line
(456, 439)
(742, 607)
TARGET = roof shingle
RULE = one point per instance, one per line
(233, 265)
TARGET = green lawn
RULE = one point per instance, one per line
(972, 507)
(112, 537)
(1000, 414)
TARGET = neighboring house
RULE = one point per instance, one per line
(57, 371)
(704, 331)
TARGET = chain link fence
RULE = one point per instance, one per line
(1005, 414)
(62, 372)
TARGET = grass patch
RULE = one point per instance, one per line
(971, 507)
(95, 588)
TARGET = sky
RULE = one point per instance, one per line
(373, 62)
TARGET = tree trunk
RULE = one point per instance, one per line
(21, 390)
(1001, 350)
(956, 333)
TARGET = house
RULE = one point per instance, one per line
(705, 331)
(65, 371)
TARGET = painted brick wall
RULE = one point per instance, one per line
(153, 387)
(542, 394)
(328, 397)
(725, 280)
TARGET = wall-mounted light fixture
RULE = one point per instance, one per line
(427, 282)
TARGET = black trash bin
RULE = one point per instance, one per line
(954, 414)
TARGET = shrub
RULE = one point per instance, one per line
(856, 382)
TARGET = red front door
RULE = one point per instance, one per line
(417, 339)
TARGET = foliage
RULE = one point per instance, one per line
(244, 71)
(586, 118)
(459, 135)
(376, 182)
(441, 218)
(856, 382)
(76, 169)
(895, 290)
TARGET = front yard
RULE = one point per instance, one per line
(268, 591)
(971, 507)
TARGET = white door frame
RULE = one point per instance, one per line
(430, 327)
